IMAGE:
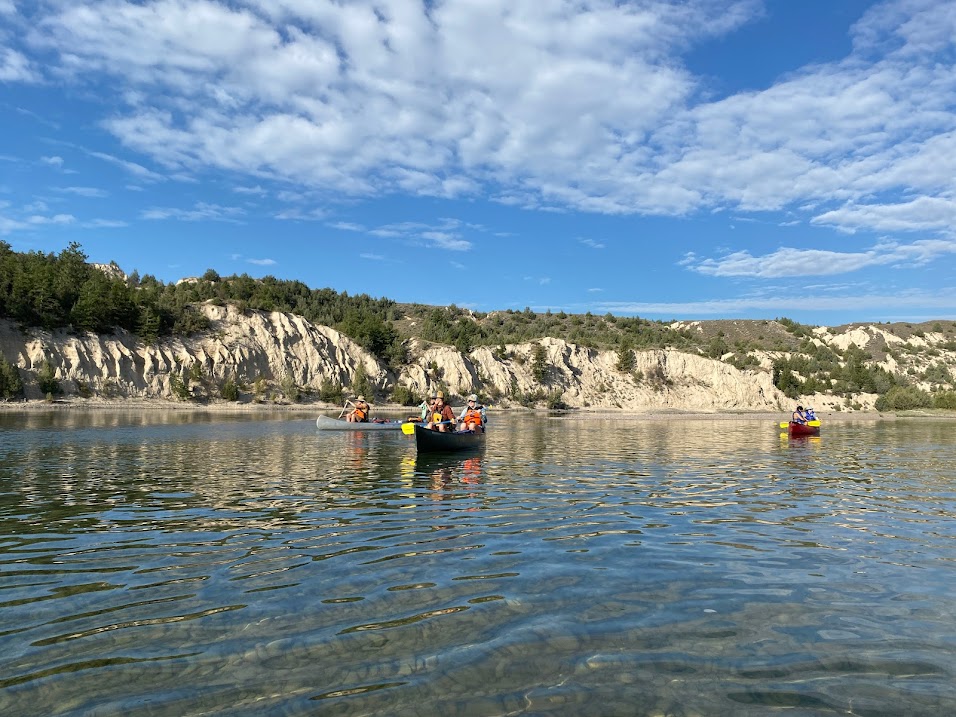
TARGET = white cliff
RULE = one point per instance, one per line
(269, 353)
(275, 348)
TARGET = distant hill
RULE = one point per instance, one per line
(51, 302)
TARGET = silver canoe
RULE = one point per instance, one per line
(327, 423)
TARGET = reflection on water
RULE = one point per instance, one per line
(181, 563)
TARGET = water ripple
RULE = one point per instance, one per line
(164, 565)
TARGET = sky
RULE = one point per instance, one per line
(669, 159)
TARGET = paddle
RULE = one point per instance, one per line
(786, 424)
(409, 428)
(345, 407)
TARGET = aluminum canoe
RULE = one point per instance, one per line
(327, 423)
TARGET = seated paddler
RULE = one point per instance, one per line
(360, 412)
(473, 416)
(798, 416)
(442, 417)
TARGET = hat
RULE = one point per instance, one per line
(440, 394)
(361, 398)
(473, 397)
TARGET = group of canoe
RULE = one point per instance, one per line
(431, 440)
(427, 440)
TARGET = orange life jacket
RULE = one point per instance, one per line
(472, 415)
(361, 415)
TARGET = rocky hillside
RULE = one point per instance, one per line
(280, 357)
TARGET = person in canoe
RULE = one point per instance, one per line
(472, 416)
(799, 416)
(811, 416)
(427, 407)
(442, 417)
(360, 411)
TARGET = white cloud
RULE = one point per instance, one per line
(90, 192)
(255, 191)
(16, 67)
(347, 227)
(444, 234)
(105, 224)
(202, 211)
(36, 207)
(133, 168)
(592, 243)
(444, 240)
(362, 97)
(261, 262)
(920, 214)
(372, 98)
(307, 215)
(789, 262)
(56, 219)
(784, 304)
(8, 225)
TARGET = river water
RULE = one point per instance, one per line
(198, 564)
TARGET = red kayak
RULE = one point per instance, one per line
(802, 429)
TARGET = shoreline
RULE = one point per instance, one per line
(87, 405)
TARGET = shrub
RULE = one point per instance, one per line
(46, 380)
(938, 373)
(229, 390)
(11, 385)
(331, 391)
(404, 395)
(717, 347)
(260, 388)
(903, 398)
(539, 365)
(360, 383)
(946, 400)
(783, 379)
(625, 357)
(555, 400)
(179, 387)
(289, 388)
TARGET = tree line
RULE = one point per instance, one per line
(56, 291)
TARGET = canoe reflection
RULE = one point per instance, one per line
(799, 440)
(357, 449)
(444, 470)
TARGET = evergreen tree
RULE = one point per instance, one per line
(11, 385)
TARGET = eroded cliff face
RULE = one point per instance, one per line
(276, 349)
(269, 347)
(582, 377)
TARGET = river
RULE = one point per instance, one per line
(184, 563)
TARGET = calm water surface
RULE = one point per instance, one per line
(186, 564)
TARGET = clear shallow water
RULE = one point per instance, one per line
(186, 564)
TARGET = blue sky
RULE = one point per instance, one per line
(688, 159)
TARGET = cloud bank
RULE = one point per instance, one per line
(547, 104)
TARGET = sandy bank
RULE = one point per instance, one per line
(392, 410)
